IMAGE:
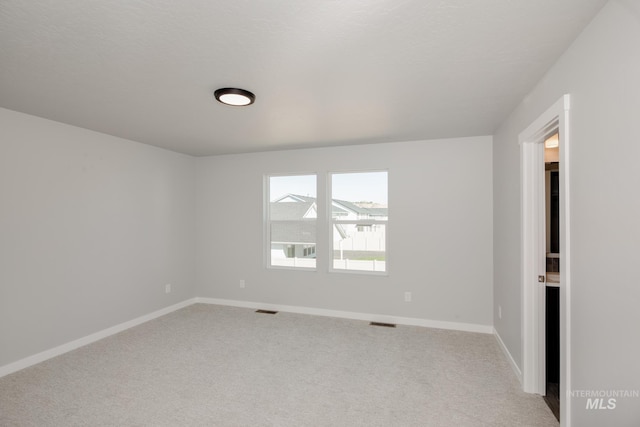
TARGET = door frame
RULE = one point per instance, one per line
(533, 248)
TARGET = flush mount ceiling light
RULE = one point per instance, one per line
(234, 96)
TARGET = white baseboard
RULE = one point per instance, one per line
(506, 352)
(409, 321)
(64, 348)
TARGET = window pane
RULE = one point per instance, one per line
(293, 243)
(359, 197)
(292, 216)
(359, 247)
(298, 187)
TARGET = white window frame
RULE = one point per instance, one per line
(331, 222)
(267, 221)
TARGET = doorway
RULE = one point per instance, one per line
(552, 285)
(536, 256)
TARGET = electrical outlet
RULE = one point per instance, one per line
(167, 288)
(499, 312)
(242, 283)
(407, 297)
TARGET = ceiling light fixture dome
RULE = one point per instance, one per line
(234, 96)
(553, 141)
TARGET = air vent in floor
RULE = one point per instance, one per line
(266, 312)
(386, 325)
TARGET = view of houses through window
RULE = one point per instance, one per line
(358, 221)
(292, 221)
(359, 214)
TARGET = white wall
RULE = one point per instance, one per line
(91, 229)
(601, 71)
(440, 231)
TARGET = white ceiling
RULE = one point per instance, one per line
(325, 72)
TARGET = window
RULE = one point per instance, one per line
(355, 234)
(359, 215)
(291, 221)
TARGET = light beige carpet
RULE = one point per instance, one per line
(209, 365)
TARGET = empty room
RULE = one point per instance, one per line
(320, 213)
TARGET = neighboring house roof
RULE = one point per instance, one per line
(294, 198)
(339, 207)
(338, 211)
(379, 211)
(352, 207)
(361, 210)
(293, 232)
(290, 211)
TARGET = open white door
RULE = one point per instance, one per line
(533, 260)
